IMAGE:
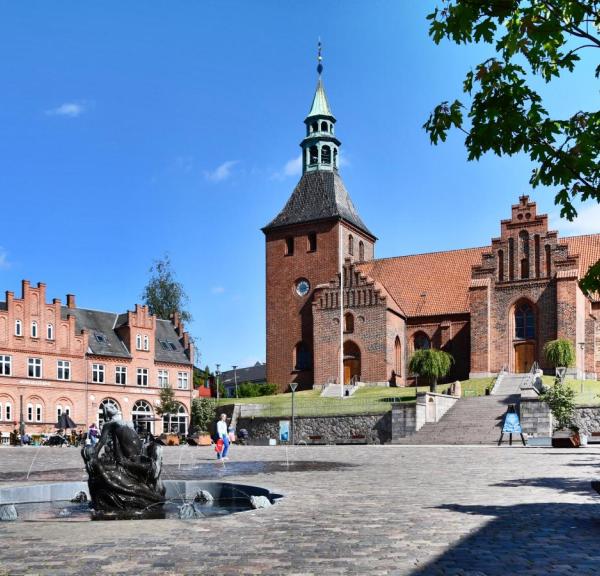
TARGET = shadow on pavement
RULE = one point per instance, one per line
(561, 484)
(540, 539)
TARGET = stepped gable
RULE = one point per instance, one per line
(443, 277)
(320, 195)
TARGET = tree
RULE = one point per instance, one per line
(560, 352)
(203, 414)
(532, 39)
(163, 294)
(431, 364)
(168, 404)
(561, 400)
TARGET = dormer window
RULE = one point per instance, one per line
(34, 329)
(101, 338)
(18, 328)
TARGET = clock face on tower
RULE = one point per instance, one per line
(302, 287)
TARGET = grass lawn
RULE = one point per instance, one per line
(364, 401)
(587, 391)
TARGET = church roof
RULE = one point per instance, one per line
(320, 195)
(320, 105)
(438, 282)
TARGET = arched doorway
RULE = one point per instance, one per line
(176, 423)
(524, 336)
(142, 415)
(351, 362)
(106, 402)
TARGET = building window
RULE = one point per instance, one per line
(524, 322)
(121, 375)
(335, 155)
(50, 332)
(98, 373)
(314, 154)
(314, 126)
(146, 343)
(312, 242)
(63, 370)
(101, 338)
(302, 357)
(289, 246)
(421, 341)
(8, 411)
(29, 412)
(34, 367)
(548, 261)
(38, 413)
(500, 265)
(176, 423)
(324, 127)
(58, 412)
(18, 328)
(68, 410)
(141, 415)
(350, 244)
(536, 255)
(524, 245)
(326, 155)
(348, 323)
(511, 259)
(182, 380)
(163, 378)
(138, 342)
(34, 329)
(361, 251)
(106, 402)
(397, 357)
(5, 365)
(142, 376)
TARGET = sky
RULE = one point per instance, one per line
(131, 130)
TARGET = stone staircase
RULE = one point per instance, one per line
(475, 420)
(509, 384)
(333, 391)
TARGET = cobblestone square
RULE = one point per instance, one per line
(418, 510)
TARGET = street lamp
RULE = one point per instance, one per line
(582, 348)
(217, 374)
(293, 386)
(235, 379)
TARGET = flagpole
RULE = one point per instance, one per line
(341, 364)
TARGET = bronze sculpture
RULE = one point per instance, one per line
(124, 471)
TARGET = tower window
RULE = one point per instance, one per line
(350, 244)
(348, 323)
(361, 250)
(326, 155)
(289, 246)
(314, 155)
(312, 242)
(335, 154)
(501, 265)
(314, 127)
(324, 127)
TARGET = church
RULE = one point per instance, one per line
(490, 307)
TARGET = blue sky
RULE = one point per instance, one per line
(133, 129)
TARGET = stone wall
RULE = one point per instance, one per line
(588, 419)
(535, 417)
(369, 428)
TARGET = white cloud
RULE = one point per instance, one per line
(69, 109)
(4, 263)
(292, 167)
(217, 289)
(222, 172)
(587, 222)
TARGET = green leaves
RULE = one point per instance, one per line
(430, 363)
(561, 400)
(560, 353)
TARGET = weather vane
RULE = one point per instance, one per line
(319, 58)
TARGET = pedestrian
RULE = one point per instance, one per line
(93, 434)
(223, 435)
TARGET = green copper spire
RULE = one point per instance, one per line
(320, 146)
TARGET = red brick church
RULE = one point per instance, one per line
(490, 307)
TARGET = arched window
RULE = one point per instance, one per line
(302, 357)
(106, 402)
(314, 127)
(314, 155)
(326, 155)
(398, 356)
(524, 248)
(29, 412)
(138, 341)
(176, 423)
(421, 341)
(524, 322)
(348, 323)
(38, 413)
(361, 250)
(501, 265)
(324, 127)
(58, 411)
(141, 415)
(335, 155)
(350, 244)
(18, 328)
(146, 343)
(50, 332)
(8, 411)
(34, 329)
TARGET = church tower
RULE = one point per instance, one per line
(302, 247)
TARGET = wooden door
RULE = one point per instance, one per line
(347, 373)
(524, 356)
(351, 369)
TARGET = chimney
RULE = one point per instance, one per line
(71, 301)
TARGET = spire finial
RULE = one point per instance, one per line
(319, 58)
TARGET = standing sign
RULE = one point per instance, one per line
(284, 430)
(511, 426)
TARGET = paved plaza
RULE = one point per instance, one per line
(372, 510)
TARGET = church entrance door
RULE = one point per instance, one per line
(524, 357)
(351, 362)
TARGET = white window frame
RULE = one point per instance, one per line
(18, 328)
(146, 343)
(58, 411)
(142, 377)
(5, 365)
(121, 375)
(138, 341)
(34, 329)
(163, 378)
(34, 365)
(49, 331)
(8, 412)
(39, 413)
(63, 370)
(29, 412)
(98, 374)
(183, 380)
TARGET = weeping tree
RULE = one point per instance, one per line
(560, 353)
(431, 364)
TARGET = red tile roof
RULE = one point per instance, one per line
(444, 277)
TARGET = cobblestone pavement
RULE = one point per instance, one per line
(405, 510)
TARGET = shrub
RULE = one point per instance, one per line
(561, 400)
(560, 352)
(432, 364)
(251, 390)
(203, 414)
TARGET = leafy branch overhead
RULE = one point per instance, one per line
(505, 114)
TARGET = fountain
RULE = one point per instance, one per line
(124, 471)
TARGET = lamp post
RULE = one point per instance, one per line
(293, 386)
(416, 384)
(582, 348)
(217, 374)
(235, 379)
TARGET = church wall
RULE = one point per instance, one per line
(479, 304)
(395, 327)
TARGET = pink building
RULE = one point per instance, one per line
(56, 359)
